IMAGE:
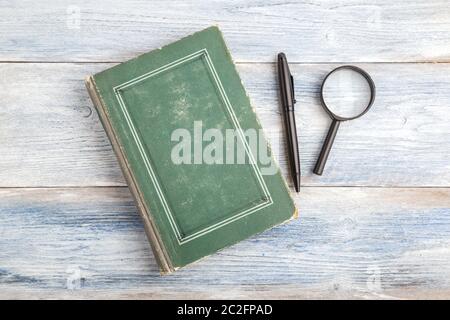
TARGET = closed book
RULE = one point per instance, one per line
(191, 148)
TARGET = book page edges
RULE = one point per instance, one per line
(150, 227)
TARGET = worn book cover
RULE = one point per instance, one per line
(191, 148)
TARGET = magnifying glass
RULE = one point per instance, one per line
(347, 93)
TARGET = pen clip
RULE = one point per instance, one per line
(292, 89)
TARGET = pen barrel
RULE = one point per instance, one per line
(288, 100)
(293, 152)
(326, 148)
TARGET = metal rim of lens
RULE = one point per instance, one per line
(369, 81)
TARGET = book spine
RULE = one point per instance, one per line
(150, 228)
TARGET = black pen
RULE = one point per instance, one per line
(288, 100)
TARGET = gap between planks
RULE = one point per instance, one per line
(289, 183)
(305, 63)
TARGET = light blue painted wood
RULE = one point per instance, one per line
(348, 242)
(385, 236)
(256, 30)
(51, 136)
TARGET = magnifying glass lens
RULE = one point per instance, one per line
(346, 93)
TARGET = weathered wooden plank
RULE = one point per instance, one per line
(50, 135)
(348, 242)
(402, 141)
(308, 31)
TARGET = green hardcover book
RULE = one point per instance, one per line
(191, 148)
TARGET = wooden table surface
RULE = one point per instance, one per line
(375, 225)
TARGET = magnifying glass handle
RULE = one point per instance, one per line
(328, 143)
